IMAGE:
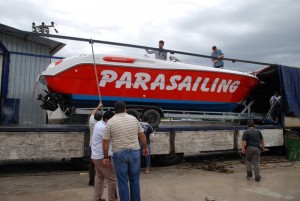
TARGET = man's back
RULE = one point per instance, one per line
(253, 137)
(123, 130)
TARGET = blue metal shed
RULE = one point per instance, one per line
(22, 58)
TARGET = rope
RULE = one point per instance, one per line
(96, 74)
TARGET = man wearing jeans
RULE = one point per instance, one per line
(125, 131)
(252, 145)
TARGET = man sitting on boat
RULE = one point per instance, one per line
(162, 55)
(216, 57)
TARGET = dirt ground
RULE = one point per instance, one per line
(184, 182)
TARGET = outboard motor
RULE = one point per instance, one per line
(49, 101)
(52, 101)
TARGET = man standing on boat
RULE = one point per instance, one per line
(124, 131)
(161, 54)
(216, 57)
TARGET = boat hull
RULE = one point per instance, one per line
(168, 88)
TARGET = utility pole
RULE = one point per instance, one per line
(43, 29)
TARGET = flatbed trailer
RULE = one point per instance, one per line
(169, 146)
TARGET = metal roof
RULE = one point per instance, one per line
(54, 46)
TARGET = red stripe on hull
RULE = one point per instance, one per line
(169, 84)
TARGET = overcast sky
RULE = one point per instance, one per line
(259, 30)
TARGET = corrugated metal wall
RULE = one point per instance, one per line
(22, 77)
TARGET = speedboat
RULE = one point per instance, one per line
(147, 81)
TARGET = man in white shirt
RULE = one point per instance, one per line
(275, 103)
(103, 171)
(96, 116)
(162, 55)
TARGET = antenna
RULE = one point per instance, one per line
(43, 28)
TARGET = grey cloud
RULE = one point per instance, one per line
(266, 31)
(257, 30)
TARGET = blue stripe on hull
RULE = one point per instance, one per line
(91, 101)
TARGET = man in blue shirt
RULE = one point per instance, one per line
(216, 57)
(149, 133)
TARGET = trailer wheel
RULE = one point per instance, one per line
(134, 113)
(290, 134)
(153, 117)
(169, 159)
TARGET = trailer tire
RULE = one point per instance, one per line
(134, 113)
(290, 134)
(153, 117)
(169, 159)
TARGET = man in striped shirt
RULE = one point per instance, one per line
(125, 131)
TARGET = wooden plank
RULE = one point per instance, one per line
(292, 122)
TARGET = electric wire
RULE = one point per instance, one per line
(12, 31)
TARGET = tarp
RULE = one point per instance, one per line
(290, 90)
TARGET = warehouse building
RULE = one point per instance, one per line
(22, 58)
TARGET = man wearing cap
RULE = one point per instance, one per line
(161, 54)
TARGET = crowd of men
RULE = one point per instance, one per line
(118, 140)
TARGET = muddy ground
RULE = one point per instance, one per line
(219, 177)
